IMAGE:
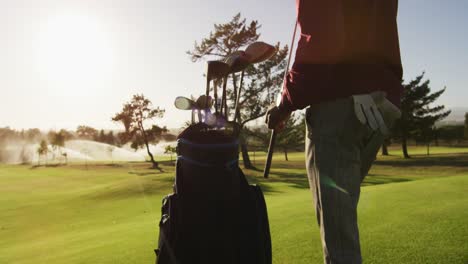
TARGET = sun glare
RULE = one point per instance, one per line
(73, 48)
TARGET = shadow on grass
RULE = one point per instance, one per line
(290, 174)
(167, 163)
(143, 173)
(372, 179)
(299, 179)
(46, 166)
(114, 165)
(145, 187)
(459, 160)
(295, 180)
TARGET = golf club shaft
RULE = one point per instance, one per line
(273, 133)
(223, 102)
(271, 147)
(236, 111)
(207, 91)
(215, 88)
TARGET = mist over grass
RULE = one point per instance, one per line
(77, 150)
(17, 151)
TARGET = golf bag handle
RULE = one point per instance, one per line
(271, 147)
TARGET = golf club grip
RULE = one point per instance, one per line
(271, 148)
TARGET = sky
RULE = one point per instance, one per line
(76, 62)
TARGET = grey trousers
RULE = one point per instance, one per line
(339, 153)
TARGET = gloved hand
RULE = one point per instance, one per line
(276, 118)
(376, 111)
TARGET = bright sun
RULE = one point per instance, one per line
(73, 48)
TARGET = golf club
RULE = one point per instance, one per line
(204, 103)
(184, 103)
(237, 61)
(271, 147)
(215, 70)
(223, 98)
(259, 51)
(255, 53)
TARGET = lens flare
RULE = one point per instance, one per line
(327, 181)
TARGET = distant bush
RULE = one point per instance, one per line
(450, 133)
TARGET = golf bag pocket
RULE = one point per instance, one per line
(261, 227)
(167, 231)
(206, 171)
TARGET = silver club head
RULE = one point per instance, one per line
(184, 103)
(259, 51)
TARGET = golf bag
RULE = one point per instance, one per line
(214, 215)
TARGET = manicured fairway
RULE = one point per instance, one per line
(410, 211)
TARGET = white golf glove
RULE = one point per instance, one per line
(376, 111)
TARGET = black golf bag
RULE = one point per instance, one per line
(214, 215)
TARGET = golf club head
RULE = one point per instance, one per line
(237, 61)
(184, 103)
(204, 102)
(259, 51)
(210, 119)
(217, 70)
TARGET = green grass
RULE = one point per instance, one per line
(411, 211)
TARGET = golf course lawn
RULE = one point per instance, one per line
(411, 211)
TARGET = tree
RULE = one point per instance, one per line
(86, 132)
(32, 135)
(57, 140)
(466, 126)
(133, 116)
(385, 145)
(426, 135)
(110, 139)
(102, 136)
(67, 135)
(43, 149)
(261, 81)
(292, 136)
(418, 114)
(451, 133)
(170, 150)
(6, 136)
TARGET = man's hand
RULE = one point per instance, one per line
(376, 111)
(276, 118)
